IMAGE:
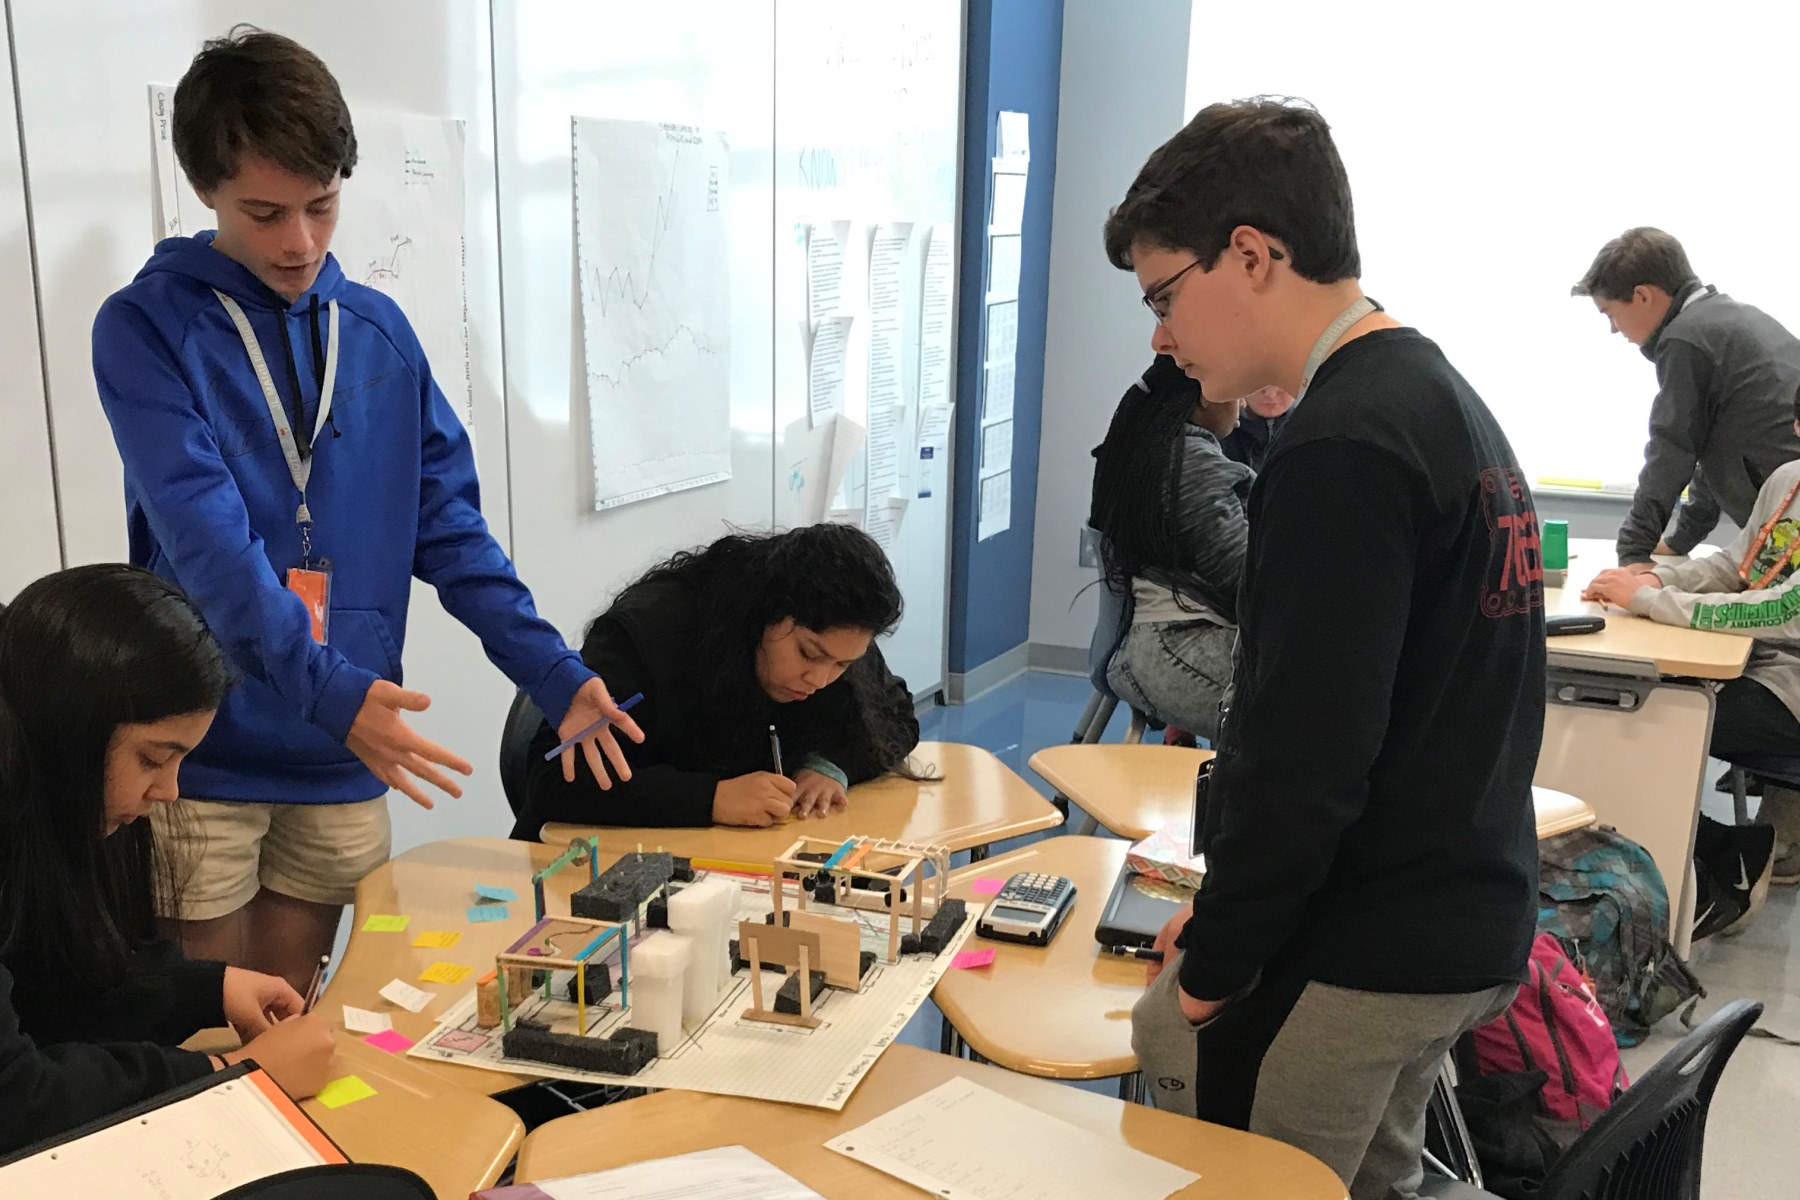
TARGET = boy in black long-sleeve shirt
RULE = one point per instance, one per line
(1371, 861)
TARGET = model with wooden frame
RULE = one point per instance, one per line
(892, 864)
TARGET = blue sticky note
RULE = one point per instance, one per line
(488, 912)
(488, 891)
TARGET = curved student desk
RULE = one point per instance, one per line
(1629, 720)
(1134, 790)
(458, 1141)
(1062, 1011)
(1231, 1164)
(979, 800)
(434, 886)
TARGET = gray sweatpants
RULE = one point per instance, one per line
(1346, 1076)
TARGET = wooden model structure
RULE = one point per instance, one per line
(879, 861)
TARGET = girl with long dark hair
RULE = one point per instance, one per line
(752, 632)
(108, 678)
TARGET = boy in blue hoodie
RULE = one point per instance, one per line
(291, 464)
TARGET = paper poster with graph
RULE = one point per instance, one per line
(652, 257)
(401, 226)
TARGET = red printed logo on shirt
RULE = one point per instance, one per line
(1515, 575)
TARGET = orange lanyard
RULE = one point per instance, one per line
(1762, 539)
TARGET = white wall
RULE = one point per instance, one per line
(28, 542)
(1124, 75)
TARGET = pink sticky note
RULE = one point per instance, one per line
(964, 959)
(395, 1042)
(988, 887)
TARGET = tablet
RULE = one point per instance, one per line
(1137, 909)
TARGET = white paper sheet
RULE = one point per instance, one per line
(937, 318)
(996, 506)
(934, 426)
(961, 1141)
(825, 269)
(406, 996)
(997, 397)
(1008, 212)
(884, 471)
(887, 295)
(1002, 332)
(361, 1020)
(193, 1149)
(996, 447)
(724, 1173)
(825, 368)
(1003, 268)
(651, 244)
(1014, 137)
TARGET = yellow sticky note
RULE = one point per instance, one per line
(347, 1090)
(445, 972)
(383, 924)
(438, 939)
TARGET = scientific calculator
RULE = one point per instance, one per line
(1029, 908)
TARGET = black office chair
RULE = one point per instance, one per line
(1648, 1145)
(522, 721)
(1783, 770)
(364, 1181)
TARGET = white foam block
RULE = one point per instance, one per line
(658, 971)
(702, 912)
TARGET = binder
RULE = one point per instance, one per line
(194, 1142)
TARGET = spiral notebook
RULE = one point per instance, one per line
(194, 1143)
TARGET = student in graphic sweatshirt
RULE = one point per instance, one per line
(280, 427)
(93, 1007)
(756, 632)
(1371, 855)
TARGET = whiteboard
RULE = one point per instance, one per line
(27, 497)
(1485, 183)
(87, 135)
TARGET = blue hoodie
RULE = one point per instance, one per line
(211, 508)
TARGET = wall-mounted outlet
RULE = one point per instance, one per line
(1087, 548)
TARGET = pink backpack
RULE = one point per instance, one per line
(1555, 1025)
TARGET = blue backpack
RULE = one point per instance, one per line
(1601, 896)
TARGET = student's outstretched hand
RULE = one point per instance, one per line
(592, 703)
(817, 794)
(394, 751)
(253, 1002)
(759, 799)
(296, 1054)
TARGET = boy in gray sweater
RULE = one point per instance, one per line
(1726, 377)
(1750, 588)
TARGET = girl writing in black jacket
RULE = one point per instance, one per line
(108, 677)
(756, 631)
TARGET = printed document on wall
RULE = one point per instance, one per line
(650, 237)
(995, 515)
(404, 234)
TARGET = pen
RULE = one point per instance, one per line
(591, 730)
(1143, 952)
(775, 750)
(312, 989)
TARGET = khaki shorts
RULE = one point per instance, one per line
(224, 852)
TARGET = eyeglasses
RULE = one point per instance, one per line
(1158, 299)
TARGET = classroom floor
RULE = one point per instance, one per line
(1752, 1150)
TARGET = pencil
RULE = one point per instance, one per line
(775, 750)
(596, 727)
(312, 989)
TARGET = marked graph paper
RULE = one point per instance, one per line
(652, 258)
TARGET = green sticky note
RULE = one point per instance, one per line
(385, 924)
(347, 1090)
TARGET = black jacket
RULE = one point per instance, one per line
(703, 721)
(68, 1057)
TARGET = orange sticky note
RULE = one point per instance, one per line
(445, 972)
(437, 939)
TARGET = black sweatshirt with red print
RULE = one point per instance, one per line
(1369, 822)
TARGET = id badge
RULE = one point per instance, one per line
(311, 581)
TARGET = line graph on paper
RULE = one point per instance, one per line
(651, 240)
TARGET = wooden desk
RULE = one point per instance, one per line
(458, 1141)
(1064, 1010)
(1690, 653)
(1131, 790)
(1231, 1164)
(980, 800)
(434, 884)
(1559, 812)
